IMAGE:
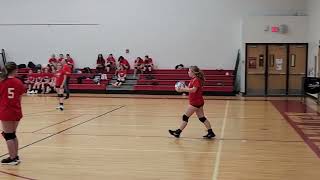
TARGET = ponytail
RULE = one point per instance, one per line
(199, 74)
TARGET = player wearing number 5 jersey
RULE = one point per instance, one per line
(11, 90)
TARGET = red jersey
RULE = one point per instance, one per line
(111, 60)
(101, 61)
(148, 61)
(46, 76)
(31, 78)
(59, 77)
(11, 91)
(138, 61)
(70, 61)
(60, 60)
(53, 60)
(124, 62)
(67, 69)
(196, 98)
(122, 73)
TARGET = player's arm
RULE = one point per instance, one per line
(190, 90)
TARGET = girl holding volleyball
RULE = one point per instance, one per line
(196, 102)
(11, 90)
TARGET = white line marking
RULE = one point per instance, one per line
(120, 149)
(217, 162)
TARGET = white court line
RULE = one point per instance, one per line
(217, 162)
(121, 149)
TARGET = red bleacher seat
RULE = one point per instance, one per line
(171, 88)
(87, 87)
(227, 82)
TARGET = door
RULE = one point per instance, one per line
(297, 68)
(277, 70)
(256, 65)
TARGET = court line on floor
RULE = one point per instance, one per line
(69, 119)
(123, 149)
(78, 124)
(218, 157)
(180, 139)
(15, 175)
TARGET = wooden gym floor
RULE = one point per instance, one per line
(126, 138)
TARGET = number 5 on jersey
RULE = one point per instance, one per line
(10, 93)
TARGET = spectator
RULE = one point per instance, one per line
(46, 79)
(123, 62)
(70, 62)
(111, 63)
(53, 61)
(138, 65)
(148, 64)
(61, 58)
(122, 74)
(100, 63)
(37, 83)
(30, 81)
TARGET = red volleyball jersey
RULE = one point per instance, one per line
(53, 60)
(196, 98)
(11, 90)
(125, 62)
(67, 69)
(101, 61)
(31, 78)
(59, 77)
(111, 60)
(138, 61)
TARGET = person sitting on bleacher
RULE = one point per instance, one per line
(111, 63)
(38, 82)
(148, 64)
(61, 58)
(30, 81)
(70, 62)
(123, 62)
(121, 74)
(53, 61)
(100, 63)
(46, 81)
(138, 66)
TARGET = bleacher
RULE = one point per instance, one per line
(161, 81)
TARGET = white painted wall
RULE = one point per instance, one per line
(314, 32)
(253, 32)
(202, 32)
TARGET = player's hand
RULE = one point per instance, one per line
(61, 87)
(180, 89)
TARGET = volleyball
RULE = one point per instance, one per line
(179, 85)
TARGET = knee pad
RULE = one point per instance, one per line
(185, 118)
(203, 119)
(60, 95)
(9, 136)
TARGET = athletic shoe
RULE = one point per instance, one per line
(209, 135)
(18, 159)
(61, 108)
(175, 133)
(9, 161)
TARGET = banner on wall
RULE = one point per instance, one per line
(279, 64)
(252, 61)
